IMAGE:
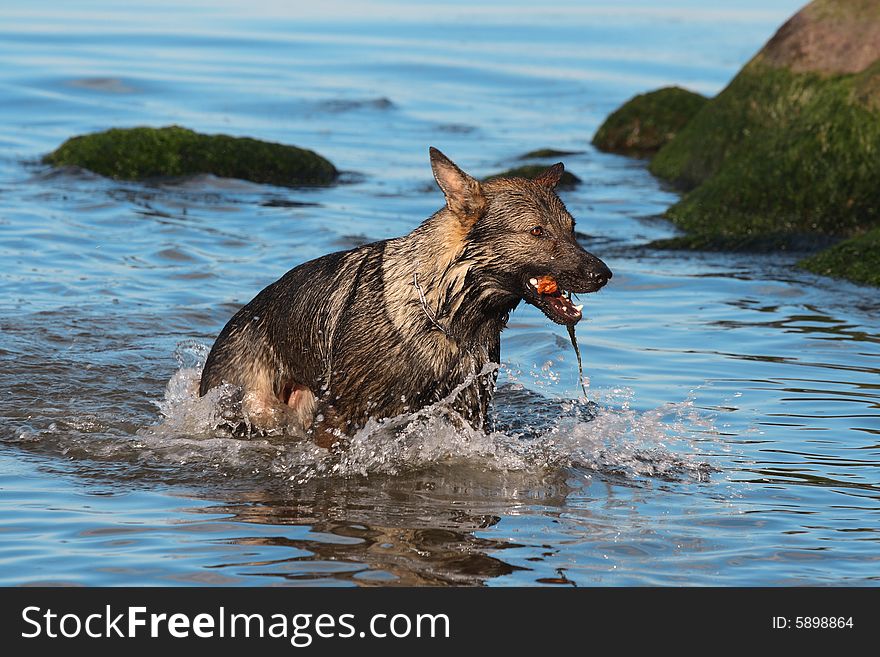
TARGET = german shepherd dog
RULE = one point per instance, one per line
(397, 325)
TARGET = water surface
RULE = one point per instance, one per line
(732, 432)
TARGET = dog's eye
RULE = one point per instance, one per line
(537, 231)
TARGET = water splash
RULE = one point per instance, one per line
(531, 432)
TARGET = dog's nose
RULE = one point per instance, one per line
(599, 271)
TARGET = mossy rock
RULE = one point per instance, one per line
(856, 259)
(778, 152)
(645, 123)
(143, 153)
(530, 171)
(788, 155)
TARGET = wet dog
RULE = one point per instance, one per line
(396, 325)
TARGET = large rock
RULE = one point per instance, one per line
(827, 36)
(779, 155)
(788, 155)
(140, 153)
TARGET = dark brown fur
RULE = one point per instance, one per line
(399, 324)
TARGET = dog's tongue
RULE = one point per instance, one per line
(561, 304)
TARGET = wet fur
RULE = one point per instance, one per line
(346, 337)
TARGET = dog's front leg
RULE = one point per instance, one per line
(472, 403)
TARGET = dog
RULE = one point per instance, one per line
(396, 325)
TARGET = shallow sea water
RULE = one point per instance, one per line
(731, 434)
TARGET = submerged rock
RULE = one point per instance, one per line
(544, 153)
(789, 153)
(140, 153)
(567, 181)
(647, 122)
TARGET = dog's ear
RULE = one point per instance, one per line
(550, 178)
(464, 195)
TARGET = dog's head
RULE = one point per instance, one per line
(522, 238)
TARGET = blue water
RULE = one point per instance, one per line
(733, 431)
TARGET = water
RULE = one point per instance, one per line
(732, 432)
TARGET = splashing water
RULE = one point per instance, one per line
(608, 436)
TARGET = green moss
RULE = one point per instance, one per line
(643, 124)
(866, 87)
(545, 153)
(856, 259)
(568, 179)
(777, 154)
(139, 153)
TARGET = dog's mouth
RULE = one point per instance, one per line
(546, 294)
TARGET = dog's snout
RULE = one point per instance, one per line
(596, 271)
(602, 271)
